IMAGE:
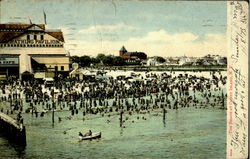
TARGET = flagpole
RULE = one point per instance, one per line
(30, 20)
(44, 17)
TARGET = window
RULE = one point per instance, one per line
(28, 37)
(35, 37)
(41, 37)
(62, 68)
(56, 68)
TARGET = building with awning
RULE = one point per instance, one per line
(80, 73)
(32, 48)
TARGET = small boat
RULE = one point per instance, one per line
(91, 137)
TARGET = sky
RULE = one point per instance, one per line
(158, 28)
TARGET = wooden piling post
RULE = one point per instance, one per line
(121, 118)
(164, 114)
(53, 113)
(223, 103)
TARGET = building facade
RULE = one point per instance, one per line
(132, 55)
(31, 48)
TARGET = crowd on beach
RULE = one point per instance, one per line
(136, 93)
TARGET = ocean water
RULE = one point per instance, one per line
(187, 133)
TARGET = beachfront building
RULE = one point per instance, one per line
(220, 60)
(31, 48)
(184, 60)
(152, 62)
(172, 61)
(132, 57)
(81, 73)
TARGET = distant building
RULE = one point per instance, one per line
(184, 60)
(206, 60)
(172, 61)
(132, 56)
(209, 60)
(152, 62)
(31, 48)
(221, 60)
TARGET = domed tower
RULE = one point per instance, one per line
(122, 51)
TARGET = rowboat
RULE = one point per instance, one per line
(91, 137)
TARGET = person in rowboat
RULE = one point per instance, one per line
(88, 133)
(80, 134)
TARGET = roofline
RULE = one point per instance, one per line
(31, 25)
(55, 37)
(35, 25)
(44, 55)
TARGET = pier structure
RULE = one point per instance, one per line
(12, 129)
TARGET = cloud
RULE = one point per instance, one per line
(107, 28)
(66, 31)
(156, 43)
(162, 36)
(214, 37)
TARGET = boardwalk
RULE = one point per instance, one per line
(11, 121)
(13, 130)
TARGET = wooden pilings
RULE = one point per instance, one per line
(164, 113)
(121, 118)
(13, 130)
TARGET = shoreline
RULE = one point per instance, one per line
(163, 68)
